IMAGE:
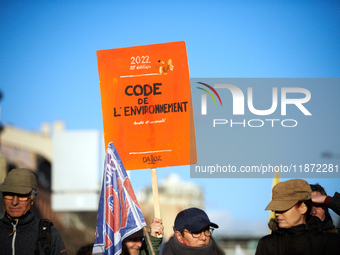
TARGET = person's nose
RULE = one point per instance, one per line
(15, 200)
(202, 236)
(139, 244)
(313, 211)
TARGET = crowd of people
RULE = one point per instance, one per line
(302, 225)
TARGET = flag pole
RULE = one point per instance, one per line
(155, 195)
(276, 180)
(146, 234)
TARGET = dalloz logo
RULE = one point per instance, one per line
(152, 159)
(238, 104)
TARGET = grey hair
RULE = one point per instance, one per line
(34, 194)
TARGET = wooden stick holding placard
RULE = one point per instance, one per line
(156, 206)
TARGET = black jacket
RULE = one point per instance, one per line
(334, 203)
(24, 234)
(299, 240)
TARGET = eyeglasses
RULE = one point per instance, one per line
(207, 232)
(21, 198)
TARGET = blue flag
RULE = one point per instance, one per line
(119, 214)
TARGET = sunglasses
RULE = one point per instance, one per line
(21, 198)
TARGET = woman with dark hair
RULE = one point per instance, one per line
(291, 202)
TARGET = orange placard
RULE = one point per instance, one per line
(146, 104)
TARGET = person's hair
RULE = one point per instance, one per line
(308, 203)
(317, 187)
(34, 194)
(181, 231)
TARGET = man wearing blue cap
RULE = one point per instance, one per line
(193, 234)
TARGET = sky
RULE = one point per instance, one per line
(49, 71)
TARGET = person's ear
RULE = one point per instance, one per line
(303, 208)
(32, 202)
(179, 236)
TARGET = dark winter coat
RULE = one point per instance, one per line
(156, 245)
(23, 234)
(299, 240)
(334, 203)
